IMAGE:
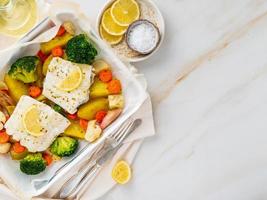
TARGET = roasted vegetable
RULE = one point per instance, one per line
(18, 156)
(88, 110)
(10, 109)
(18, 151)
(115, 101)
(58, 109)
(93, 131)
(80, 50)
(33, 164)
(100, 65)
(111, 116)
(16, 88)
(4, 148)
(47, 47)
(46, 64)
(64, 146)
(75, 130)
(69, 27)
(25, 69)
(99, 89)
(40, 75)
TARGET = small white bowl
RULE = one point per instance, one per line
(156, 18)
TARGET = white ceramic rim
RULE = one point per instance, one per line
(161, 29)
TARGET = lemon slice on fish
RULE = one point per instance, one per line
(72, 81)
(31, 121)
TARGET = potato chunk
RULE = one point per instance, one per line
(16, 88)
(99, 89)
(47, 47)
(75, 130)
(88, 110)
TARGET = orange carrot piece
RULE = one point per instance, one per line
(57, 51)
(18, 148)
(100, 115)
(114, 86)
(105, 75)
(4, 137)
(48, 158)
(61, 31)
(35, 91)
(83, 123)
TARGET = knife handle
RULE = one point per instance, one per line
(74, 182)
(86, 181)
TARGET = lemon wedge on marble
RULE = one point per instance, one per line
(121, 172)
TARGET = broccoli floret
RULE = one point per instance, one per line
(24, 69)
(33, 164)
(80, 50)
(64, 146)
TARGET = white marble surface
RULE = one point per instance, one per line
(211, 124)
(208, 84)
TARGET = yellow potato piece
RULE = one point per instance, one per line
(46, 64)
(16, 88)
(99, 89)
(75, 130)
(47, 47)
(88, 110)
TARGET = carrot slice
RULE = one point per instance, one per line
(72, 116)
(35, 91)
(4, 137)
(114, 86)
(105, 75)
(48, 158)
(18, 148)
(83, 123)
(42, 56)
(57, 51)
(61, 31)
(100, 115)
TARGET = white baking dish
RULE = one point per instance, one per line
(133, 92)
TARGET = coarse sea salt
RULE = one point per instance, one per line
(143, 36)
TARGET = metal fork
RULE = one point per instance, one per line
(76, 183)
(37, 183)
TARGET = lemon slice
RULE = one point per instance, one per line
(121, 173)
(111, 39)
(124, 12)
(72, 81)
(31, 121)
(110, 26)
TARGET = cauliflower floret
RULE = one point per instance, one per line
(93, 131)
(116, 101)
